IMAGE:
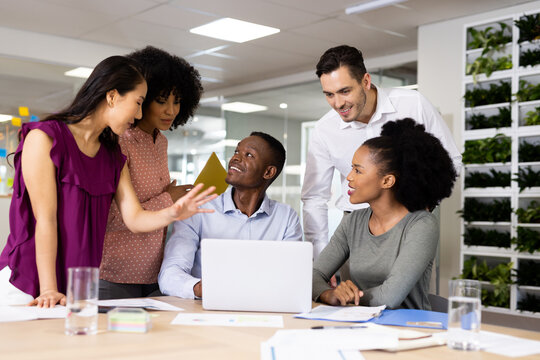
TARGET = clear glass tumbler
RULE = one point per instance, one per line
(464, 314)
(81, 301)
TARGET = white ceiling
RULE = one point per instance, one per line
(59, 34)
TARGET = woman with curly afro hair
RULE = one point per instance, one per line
(131, 262)
(402, 174)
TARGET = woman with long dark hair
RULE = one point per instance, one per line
(68, 169)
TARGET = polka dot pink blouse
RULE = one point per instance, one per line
(130, 258)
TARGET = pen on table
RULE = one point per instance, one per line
(337, 327)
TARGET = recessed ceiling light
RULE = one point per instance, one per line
(234, 30)
(4, 117)
(370, 5)
(283, 106)
(242, 107)
(80, 72)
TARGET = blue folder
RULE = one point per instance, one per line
(413, 317)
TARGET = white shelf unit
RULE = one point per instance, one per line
(518, 133)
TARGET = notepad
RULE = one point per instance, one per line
(213, 174)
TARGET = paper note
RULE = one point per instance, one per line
(3, 153)
(16, 121)
(214, 174)
(23, 111)
(229, 320)
(24, 313)
(10, 182)
(34, 118)
(508, 345)
(343, 313)
(150, 304)
(270, 352)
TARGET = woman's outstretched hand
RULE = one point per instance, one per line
(345, 293)
(190, 204)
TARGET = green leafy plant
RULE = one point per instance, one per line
(483, 180)
(526, 177)
(530, 215)
(497, 93)
(527, 91)
(529, 152)
(479, 237)
(527, 240)
(487, 65)
(528, 273)
(481, 121)
(494, 149)
(529, 27)
(532, 117)
(530, 57)
(529, 303)
(490, 37)
(497, 210)
(499, 276)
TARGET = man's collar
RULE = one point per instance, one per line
(384, 106)
(228, 203)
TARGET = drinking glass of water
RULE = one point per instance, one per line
(81, 301)
(464, 314)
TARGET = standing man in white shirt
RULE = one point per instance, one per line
(359, 110)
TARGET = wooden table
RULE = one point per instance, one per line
(45, 339)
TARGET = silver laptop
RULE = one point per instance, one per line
(256, 275)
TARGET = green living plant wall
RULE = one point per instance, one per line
(527, 91)
(527, 240)
(529, 27)
(529, 152)
(499, 276)
(529, 57)
(530, 215)
(494, 211)
(479, 237)
(481, 121)
(491, 150)
(528, 273)
(496, 93)
(526, 178)
(532, 117)
(484, 180)
(529, 302)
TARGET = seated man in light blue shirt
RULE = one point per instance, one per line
(244, 211)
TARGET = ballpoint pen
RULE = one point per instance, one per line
(338, 327)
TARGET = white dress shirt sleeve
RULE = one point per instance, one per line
(175, 277)
(316, 192)
(436, 126)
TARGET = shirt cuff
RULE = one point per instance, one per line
(187, 291)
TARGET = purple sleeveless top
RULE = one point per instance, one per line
(85, 188)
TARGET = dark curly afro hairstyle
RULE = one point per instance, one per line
(423, 169)
(165, 73)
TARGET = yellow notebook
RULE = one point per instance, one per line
(214, 174)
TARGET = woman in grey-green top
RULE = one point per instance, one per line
(401, 174)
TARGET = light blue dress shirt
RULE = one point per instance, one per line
(181, 268)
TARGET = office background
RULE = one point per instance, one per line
(417, 43)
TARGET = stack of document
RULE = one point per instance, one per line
(326, 343)
(343, 313)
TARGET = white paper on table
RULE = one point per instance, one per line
(229, 320)
(25, 313)
(150, 304)
(334, 339)
(269, 352)
(343, 313)
(507, 345)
